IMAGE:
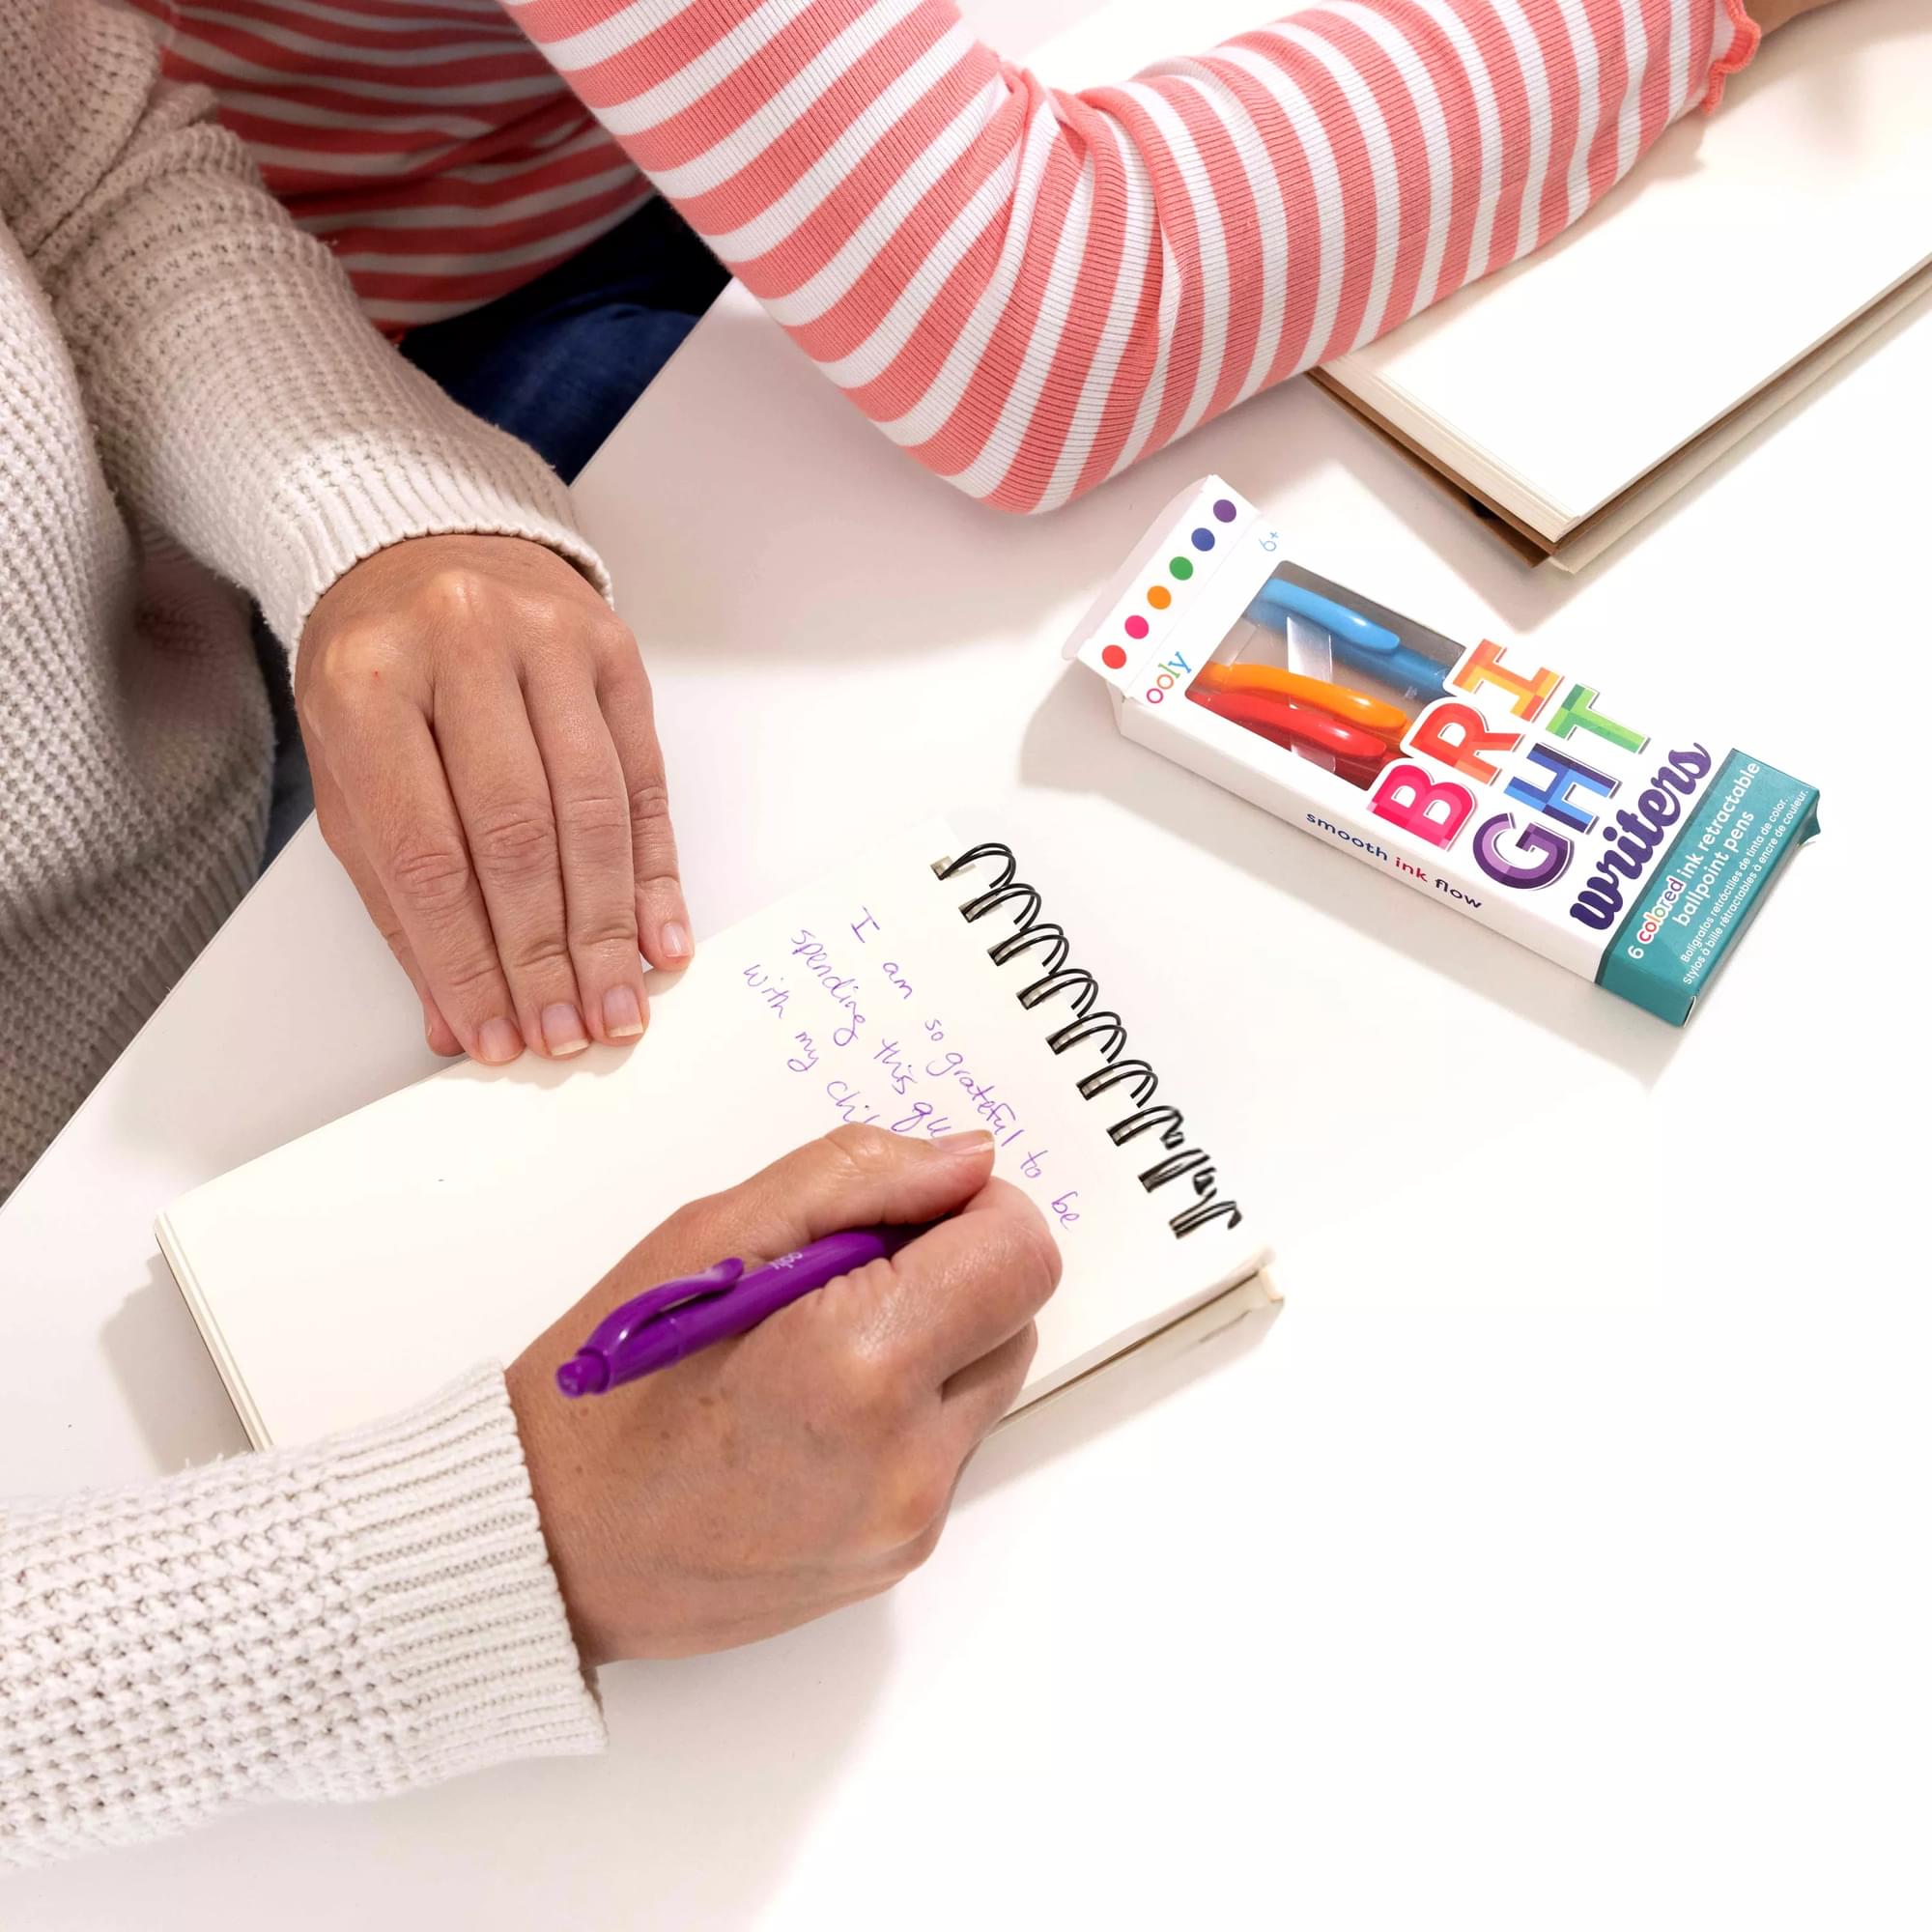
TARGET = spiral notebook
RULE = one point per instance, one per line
(923, 989)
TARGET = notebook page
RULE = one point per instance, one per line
(1735, 247)
(348, 1275)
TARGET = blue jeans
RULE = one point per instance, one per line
(555, 362)
(558, 361)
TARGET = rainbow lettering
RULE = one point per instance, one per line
(1566, 795)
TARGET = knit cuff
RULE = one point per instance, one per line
(460, 1632)
(363, 493)
(1735, 38)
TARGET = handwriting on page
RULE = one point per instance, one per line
(848, 1016)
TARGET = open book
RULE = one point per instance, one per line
(1568, 396)
(348, 1275)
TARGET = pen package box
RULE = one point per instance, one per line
(1529, 795)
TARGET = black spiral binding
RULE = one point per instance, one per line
(1058, 977)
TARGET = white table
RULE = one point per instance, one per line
(1552, 1561)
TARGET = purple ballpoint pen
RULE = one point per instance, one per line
(678, 1318)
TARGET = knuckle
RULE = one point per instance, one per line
(611, 638)
(1028, 1349)
(914, 1506)
(855, 1154)
(600, 931)
(1027, 1253)
(649, 806)
(514, 839)
(352, 667)
(540, 965)
(919, 1549)
(699, 1225)
(603, 944)
(453, 595)
(470, 982)
(432, 879)
(1044, 1256)
(680, 1233)
(600, 817)
(690, 1220)
(535, 956)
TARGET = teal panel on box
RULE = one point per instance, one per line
(1723, 860)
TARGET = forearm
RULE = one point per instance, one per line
(1029, 289)
(240, 399)
(339, 1622)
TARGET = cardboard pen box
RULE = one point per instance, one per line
(1525, 794)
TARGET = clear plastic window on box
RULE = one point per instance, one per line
(1325, 673)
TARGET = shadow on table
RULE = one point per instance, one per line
(872, 557)
(172, 1387)
(1073, 744)
(863, 555)
(717, 1768)
(1068, 1421)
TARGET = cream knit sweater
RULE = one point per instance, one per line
(339, 1622)
(181, 371)
(187, 389)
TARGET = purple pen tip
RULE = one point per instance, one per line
(585, 1374)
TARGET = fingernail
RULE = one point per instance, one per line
(499, 1042)
(563, 1029)
(623, 1018)
(977, 1141)
(673, 942)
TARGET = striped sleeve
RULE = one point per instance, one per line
(425, 142)
(1029, 290)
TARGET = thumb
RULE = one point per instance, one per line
(853, 1178)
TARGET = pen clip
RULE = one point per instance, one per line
(622, 1324)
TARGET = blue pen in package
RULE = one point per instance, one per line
(1524, 795)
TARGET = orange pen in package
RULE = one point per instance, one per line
(1548, 805)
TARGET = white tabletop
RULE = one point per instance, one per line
(1554, 1559)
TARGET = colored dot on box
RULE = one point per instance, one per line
(1224, 511)
(1137, 627)
(1204, 539)
(1161, 597)
(1113, 656)
(1181, 567)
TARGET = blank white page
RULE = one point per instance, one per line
(350, 1274)
(1733, 248)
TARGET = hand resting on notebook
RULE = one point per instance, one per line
(810, 1464)
(486, 767)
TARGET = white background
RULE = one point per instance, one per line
(1553, 1559)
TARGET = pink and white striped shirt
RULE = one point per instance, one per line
(1029, 289)
(426, 141)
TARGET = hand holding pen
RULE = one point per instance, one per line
(809, 1462)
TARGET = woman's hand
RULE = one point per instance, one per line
(479, 729)
(810, 1464)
